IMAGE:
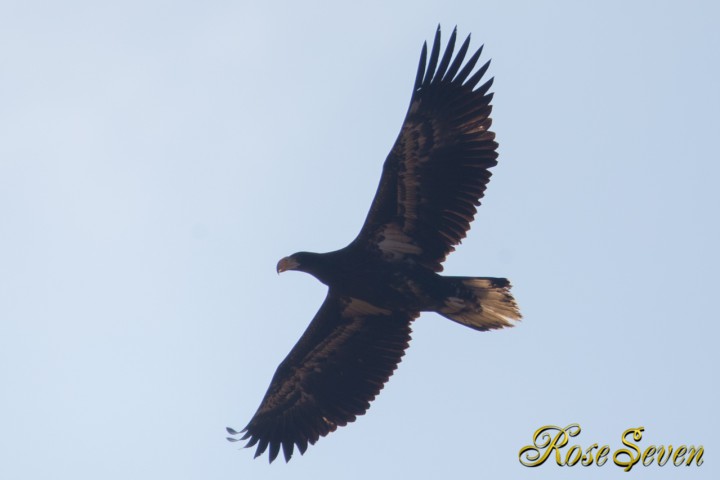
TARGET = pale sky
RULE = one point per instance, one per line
(157, 158)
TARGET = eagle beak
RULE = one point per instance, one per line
(287, 263)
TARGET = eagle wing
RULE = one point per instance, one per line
(341, 362)
(437, 171)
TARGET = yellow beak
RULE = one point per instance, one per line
(286, 263)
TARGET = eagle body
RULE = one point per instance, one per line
(386, 285)
(431, 184)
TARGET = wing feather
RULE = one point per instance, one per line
(434, 54)
(458, 58)
(335, 370)
(437, 171)
(445, 62)
(460, 77)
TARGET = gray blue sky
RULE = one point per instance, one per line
(157, 158)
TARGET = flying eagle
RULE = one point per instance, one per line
(432, 182)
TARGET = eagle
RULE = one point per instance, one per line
(431, 183)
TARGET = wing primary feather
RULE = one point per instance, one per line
(440, 73)
(472, 81)
(434, 54)
(302, 445)
(460, 78)
(274, 450)
(251, 442)
(421, 68)
(278, 434)
(484, 88)
(287, 446)
(262, 446)
(458, 60)
(300, 432)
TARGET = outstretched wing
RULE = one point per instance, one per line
(335, 370)
(436, 173)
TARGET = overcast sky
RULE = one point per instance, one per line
(157, 158)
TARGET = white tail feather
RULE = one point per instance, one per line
(482, 303)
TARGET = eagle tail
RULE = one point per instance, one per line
(482, 303)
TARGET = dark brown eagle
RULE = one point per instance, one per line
(432, 182)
